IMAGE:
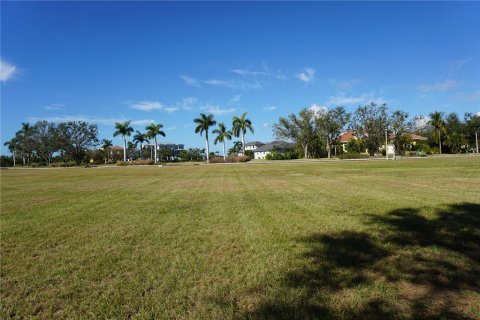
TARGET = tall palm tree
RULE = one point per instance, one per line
(436, 121)
(203, 124)
(106, 145)
(153, 130)
(12, 146)
(240, 126)
(123, 129)
(140, 138)
(222, 135)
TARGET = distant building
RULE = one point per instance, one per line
(277, 146)
(174, 149)
(345, 138)
(253, 145)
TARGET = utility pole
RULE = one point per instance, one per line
(386, 144)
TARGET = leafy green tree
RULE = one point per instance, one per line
(369, 123)
(154, 130)
(240, 126)
(44, 136)
(204, 123)
(436, 121)
(76, 137)
(140, 138)
(222, 135)
(399, 129)
(330, 125)
(236, 148)
(24, 138)
(472, 129)
(125, 130)
(300, 129)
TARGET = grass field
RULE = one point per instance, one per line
(345, 240)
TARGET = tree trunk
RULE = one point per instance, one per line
(305, 150)
(243, 142)
(124, 149)
(208, 149)
(476, 139)
(329, 148)
(224, 154)
(440, 141)
(15, 163)
(155, 149)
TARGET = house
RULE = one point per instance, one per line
(277, 146)
(253, 145)
(345, 138)
(413, 137)
(174, 149)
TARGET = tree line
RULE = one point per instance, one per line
(317, 132)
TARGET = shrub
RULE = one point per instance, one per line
(64, 164)
(268, 157)
(218, 160)
(249, 153)
(135, 163)
(243, 159)
(277, 156)
(146, 162)
(291, 155)
(353, 155)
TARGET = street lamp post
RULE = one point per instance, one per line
(386, 144)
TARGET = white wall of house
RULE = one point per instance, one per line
(260, 155)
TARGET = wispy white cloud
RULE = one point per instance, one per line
(440, 86)
(270, 108)
(265, 125)
(458, 64)
(190, 81)
(146, 105)
(307, 75)
(342, 99)
(420, 123)
(7, 70)
(170, 109)
(54, 106)
(235, 99)
(344, 84)
(217, 110)
(170, 128)
(264, 71)
(234, 84)
(318, 109)
(91, 119)
(188, 103)
(469, 97)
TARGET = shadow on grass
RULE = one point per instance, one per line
(409, 267)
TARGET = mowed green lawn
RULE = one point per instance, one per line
(333, 240)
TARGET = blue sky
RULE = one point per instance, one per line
(167, 62)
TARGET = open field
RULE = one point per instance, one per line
(334, 240)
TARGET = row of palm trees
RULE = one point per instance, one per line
(240, 126)
(125, 130)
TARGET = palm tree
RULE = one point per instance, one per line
(153, 130)
(12, 146)
(123, 129)
(106, 145)
(222, 134)
(24, 140)
(240, 126)
(237, 147)
(140, 138)
(436, 121)
(203, 124)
